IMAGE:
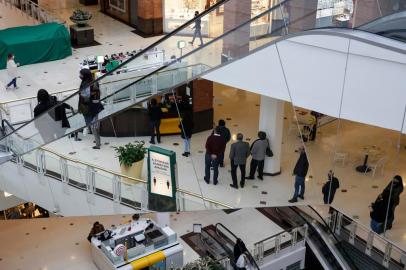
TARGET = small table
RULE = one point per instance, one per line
(369, 149)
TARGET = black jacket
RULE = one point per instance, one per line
(397, 189)
(155, 113)
(43, 107)
(335, 184)
(380, 207)
(187, 130)
(60, 113)
(302, 166)
(225, 133)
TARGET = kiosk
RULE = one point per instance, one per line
(137, 245)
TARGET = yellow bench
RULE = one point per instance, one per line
(170, 126)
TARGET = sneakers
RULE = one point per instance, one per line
(231, 185)
(293, 200)
(186, 154)
(301, 197)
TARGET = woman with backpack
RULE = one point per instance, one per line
(89, 103)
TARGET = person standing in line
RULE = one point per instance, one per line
(239, 153)
(379, 208)
(258, 152)
(300, 172)
(215, 146)
(155, 116)
(12, 71)
(186, 127)
(226, 134)
(330, 187)
(89, 104)
(198, 29)
(397, 189)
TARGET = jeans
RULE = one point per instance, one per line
(376, 226)
(186, 142)
(91, 122)
(253, 167)
(12, 82)
(221, 159)
(299, 184)
(197, 33)
(155, 129)
(209, 162)
(234, 173)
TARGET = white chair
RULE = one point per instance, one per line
(340, 157)
(378, 164)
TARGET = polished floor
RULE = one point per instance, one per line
(60, 243)
(357, 190)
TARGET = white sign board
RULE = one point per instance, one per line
(161, 183)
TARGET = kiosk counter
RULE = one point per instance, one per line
(137, 245)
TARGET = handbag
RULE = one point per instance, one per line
(268, 151)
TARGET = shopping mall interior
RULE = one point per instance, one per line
(322, 79)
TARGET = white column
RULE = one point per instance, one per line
(271, 121)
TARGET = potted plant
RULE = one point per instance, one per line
(204, 263)
(80, 17)
(131, 158)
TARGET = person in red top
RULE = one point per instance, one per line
(215, 146)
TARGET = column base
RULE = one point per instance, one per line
(273, 174)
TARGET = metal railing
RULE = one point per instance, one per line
(39, 14)
(371, 242)
(275, 244)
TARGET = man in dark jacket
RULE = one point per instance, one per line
(226, 134)
(330, 187)
(155, 115)
(378, 211)
(215, 146)
(396, 186)
(300, 172)
(239, 153)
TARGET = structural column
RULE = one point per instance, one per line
(271, 121)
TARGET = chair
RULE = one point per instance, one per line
(378, 164)
(340, 157)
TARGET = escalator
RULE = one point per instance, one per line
(228, 45)
(290, 217)
(391, 26)
(216, 242)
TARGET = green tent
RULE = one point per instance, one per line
(34, 44)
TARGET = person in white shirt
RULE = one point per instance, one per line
(12, 71)
(243, 262)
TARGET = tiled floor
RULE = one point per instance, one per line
(60, 243)
(357, 190)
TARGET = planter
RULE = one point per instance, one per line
(133, 171)
(80, 22)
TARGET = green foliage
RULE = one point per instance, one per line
(205, 263)
(81, 15)
(130, 153)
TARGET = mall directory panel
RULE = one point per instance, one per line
(137, 245)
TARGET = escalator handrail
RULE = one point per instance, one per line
(325, 223)
(142, 52)
(251, 258)
(369, 230)
(171, 62)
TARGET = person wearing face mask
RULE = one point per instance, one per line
(330, 187)
(89, 104)
(12, 71)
